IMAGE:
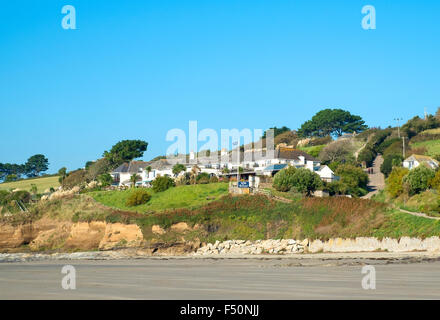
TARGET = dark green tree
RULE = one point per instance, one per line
(332, 122)
(126, 150)
(178, 168)
(35, 165)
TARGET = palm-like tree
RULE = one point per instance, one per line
(148, 169)
(194, 172)
(133, 179)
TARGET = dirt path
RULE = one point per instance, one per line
(377, 179)
(419, 214)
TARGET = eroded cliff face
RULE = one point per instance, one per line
(48, 234)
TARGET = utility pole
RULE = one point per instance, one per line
(238, 160)
(403, 147)
(398, 125)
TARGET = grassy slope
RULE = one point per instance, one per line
(433, 146)
(253, 217)
(313, 150)
(42, 184)
(177, 197)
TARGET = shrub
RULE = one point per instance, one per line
(75, 178)
(138, 197)
(98, 168)
(283, 180)
(394, 183)
(419, 179)
(367, 155)
(213, 179)
(389, 162)
(435, 182)
(162, 183)
(202, 178)
(105, 179)
(21, 195)
(306, 181)
(3, 196)
(354, 178)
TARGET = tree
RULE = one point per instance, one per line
(389, 162)
(394, 182)
(283, 179)
(435, 182)
(98, 168)
(148, 170)
(162, 183)
(306, 181)
(332, 122)
(354, 178)
(126, 150)
(418, 179)
(277, 131)
(133, 179)
(35, 165)
(63, 174)
(203, 178)
(178, 168)
(338, 151)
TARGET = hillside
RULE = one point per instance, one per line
(173, 198)
(41, 183)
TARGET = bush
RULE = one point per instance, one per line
(367, 155)
(283, 180)
(21, 195)
(138, 197)
(419, 179)
(213, 179)
(389, 162)
(394, 183)
(306, 181)
(162, 183)
(105, 179)
(98, 168)
(435, 182)
(354, 179)
(3, 196)
(75, 178)
(202, 178)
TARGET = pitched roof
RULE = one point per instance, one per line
(122, 168)
(421, 158)
(131, 167)
(292, 154)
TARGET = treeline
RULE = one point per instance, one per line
(33, 167)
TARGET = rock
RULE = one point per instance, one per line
(120, 235)
(157, 229)
(305, 242)
(86, 236)
(180, 227)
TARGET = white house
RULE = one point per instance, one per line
(415, 160)
(253, 163)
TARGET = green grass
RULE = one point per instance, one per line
(431, 131)
(313, 150)
(433, 146)
(42, 184)
(173, 198)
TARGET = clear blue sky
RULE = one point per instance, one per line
(135, 69)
